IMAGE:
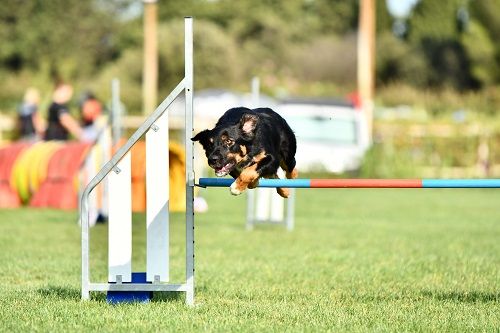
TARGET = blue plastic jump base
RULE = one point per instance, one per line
(117, 297)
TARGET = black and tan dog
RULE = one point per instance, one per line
(250, 144)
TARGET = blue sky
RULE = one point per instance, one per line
(400, 8)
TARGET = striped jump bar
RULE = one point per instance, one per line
(361, 183)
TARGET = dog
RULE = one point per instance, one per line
(249, 144)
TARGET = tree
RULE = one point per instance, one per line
(383, 19)
(487, 14)
(434, 29)
(67, 38)
(436, 20)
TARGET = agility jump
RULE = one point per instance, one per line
(123, 284)
(360, 183)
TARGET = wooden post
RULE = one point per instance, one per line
(150, 70)
(366, 59)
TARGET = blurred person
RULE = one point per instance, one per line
(91, 110)
(60, 121)
(29, 120)
(483, 158)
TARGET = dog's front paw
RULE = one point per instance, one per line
(234, 189)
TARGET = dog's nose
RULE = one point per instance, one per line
(212, 160)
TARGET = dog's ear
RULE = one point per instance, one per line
(203, 137)
(248, 123)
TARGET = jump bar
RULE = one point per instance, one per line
(361, 183)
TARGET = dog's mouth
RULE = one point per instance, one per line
(220, 172)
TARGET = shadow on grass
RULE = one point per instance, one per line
(66, 293)
(450, 296)
(167, 296)
(463, 296)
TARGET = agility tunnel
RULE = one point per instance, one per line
(42, 174)
(60, 188)
(9, 198)
(51, 174)
(30, 169)
(360, 183)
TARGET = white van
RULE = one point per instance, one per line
(331, 136)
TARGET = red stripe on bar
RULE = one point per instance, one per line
(366, 183)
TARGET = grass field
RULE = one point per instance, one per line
(358, 260)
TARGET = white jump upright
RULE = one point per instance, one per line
(118, 170)
(157, 201)
(120, 222)
(264, 205)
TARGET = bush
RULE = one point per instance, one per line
(441, 102)
(383, 161)
(216, 55)
(128, 69)
(430, 62)
(449, 66)
(326, 59)
(398, 61)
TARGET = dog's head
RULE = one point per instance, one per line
(227, 145)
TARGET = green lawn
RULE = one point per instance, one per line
(358, 260)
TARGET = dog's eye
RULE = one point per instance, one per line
(228, 142)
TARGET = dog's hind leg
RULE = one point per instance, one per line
(268, 167)
(293, 174)
(289, 167)
(283, 192)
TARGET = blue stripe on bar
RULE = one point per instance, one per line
(226, 182)
(461, 183)
(295, 183)
(215, 182)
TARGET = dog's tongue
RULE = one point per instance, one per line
(223, 171)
